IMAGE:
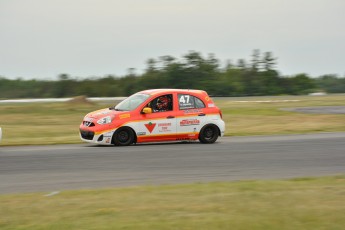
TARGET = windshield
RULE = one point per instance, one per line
(132, 102)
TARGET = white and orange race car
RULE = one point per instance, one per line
(154, 116)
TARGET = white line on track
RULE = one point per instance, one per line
(52, 193)
(268, 101)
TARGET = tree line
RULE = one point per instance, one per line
(256, 77)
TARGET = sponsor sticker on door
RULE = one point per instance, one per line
(188, 122)
(164, 127)
(150, 126)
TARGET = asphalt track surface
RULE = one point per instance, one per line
(86, 166)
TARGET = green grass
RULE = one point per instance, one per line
(267, 118)
(302, 203)
(57, 123)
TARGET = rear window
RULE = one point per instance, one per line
(187, 101)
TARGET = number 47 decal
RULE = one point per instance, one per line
(184, 99)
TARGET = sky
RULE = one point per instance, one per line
(41, 39)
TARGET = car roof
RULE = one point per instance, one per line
(158, 91)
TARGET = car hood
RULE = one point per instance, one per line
(98, 114)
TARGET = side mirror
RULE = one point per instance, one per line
(147, 110)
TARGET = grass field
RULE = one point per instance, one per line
(305, 203)
(267, 118)
(57, 123)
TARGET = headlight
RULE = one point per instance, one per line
(104, 120)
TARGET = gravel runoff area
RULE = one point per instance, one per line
(318, 110)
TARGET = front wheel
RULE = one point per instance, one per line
(208, 134)
(123, 137)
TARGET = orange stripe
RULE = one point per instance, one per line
(168, 137)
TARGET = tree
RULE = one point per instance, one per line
(255, 65)
(192, 70)
(241, 64)
(151, 65)
(302, 84)
(166, 60)
(268, 61)
(65, 86)
(331, 83)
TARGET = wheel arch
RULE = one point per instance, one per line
(213, 124)
(124, 127)
(209, 133)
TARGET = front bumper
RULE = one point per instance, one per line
(87, 135)
(92, 137)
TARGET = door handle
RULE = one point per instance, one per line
(201, 114)
(170, 117)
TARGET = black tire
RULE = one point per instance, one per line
(208, 134)
(123, 137)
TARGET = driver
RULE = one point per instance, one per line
(163, 104)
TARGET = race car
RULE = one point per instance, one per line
(156, 115)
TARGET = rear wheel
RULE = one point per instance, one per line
(123, 137)
(208, 134)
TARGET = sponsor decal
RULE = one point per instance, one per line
(164, 127)
(150, 126)
(211, 105)
(164, 124)
(193, 111)
(207, 98)
(126, 115)
(141, 133)
(188, 122)
(108, 140)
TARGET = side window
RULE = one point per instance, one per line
(186, 101)
(198, 103)
(162, 103)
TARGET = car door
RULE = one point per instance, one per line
(160, 125)
(191, 116)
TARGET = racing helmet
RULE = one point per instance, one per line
(163, 103)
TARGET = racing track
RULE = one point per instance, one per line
(61, 167)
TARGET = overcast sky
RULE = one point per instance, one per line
(44, 38)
